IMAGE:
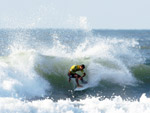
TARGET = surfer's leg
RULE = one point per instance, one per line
(81, 78)
(77, 81)
(83, 81)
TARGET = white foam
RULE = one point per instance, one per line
(110, 60)
(18, 78)
(88, 105)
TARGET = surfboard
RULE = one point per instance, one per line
(84, 86)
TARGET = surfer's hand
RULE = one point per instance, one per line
(80, 78)
(83, 74)
(69, 73)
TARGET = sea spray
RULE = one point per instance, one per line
(18, 78)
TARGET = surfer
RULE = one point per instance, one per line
(72, 74)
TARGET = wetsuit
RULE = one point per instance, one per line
(73, 71)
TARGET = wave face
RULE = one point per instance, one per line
(34, 66)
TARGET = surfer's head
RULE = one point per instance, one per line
(82, 66)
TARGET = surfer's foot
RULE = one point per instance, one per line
(84, 82)
(79, 86)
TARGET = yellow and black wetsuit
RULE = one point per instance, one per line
(74, 69)
(72, 74)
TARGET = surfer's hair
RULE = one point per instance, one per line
(83, 66)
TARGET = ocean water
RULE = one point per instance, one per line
(34, 64)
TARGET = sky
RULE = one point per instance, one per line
(84, 14)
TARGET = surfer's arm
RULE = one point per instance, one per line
(69, 79)
(69, 76)
(83, 73)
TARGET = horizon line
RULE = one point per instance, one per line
(71, 29)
